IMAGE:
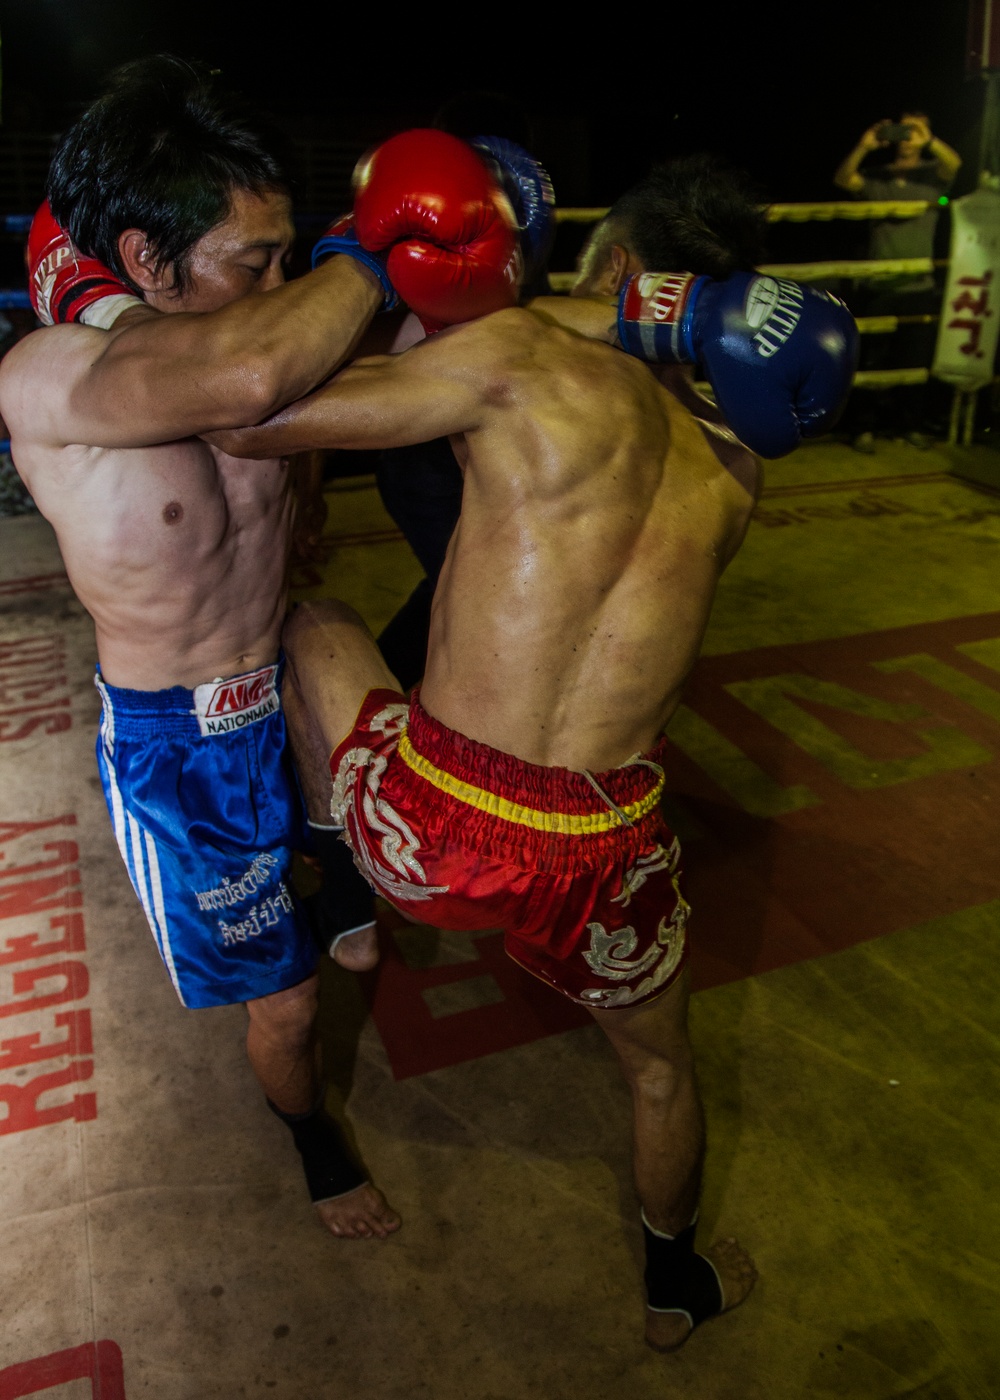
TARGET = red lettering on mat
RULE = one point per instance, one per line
(98, 1362)
(46, 971)
(34, 690)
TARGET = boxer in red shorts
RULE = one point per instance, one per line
(521, 786)
(579, 869)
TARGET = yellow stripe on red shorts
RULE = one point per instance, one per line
(560, 823)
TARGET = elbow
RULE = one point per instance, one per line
(232, 441)
(264, 392)
(249, 389)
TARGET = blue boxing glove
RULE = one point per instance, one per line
(527, 185)
(780, 357)
(340, 237)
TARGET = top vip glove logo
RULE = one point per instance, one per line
(45, 281)
(222, 706)
(772, 308)
(663, 297)
(514, 270)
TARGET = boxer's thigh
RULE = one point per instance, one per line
(656, 1029)
(333, 662)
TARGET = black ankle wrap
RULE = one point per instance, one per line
(678, 1279)
(345, 900)
(329, 1167)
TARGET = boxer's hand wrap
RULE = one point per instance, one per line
(448, 228)
(779, 356)
(527, 185)
(64, 285)
(341, 237)
(330, 1169)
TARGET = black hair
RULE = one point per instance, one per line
(161, 151)
(692, 214)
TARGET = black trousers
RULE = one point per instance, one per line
(421, 488)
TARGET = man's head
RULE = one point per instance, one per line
(168, 183)
(687, 215)
(910, 150)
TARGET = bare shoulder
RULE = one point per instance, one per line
(733, 456)
(741, 465)
(718, 468)
(489, 355)
(39, 372)
(503, 333)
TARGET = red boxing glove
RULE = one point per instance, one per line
(64, 285)
(450, 230)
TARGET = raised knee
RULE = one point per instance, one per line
(315, 616)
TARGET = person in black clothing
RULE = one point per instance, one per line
(920, 166)
(421, 488)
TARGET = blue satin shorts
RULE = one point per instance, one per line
(207, 811)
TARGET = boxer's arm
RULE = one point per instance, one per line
(156, 378)
(442, 386)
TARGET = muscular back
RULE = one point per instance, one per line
(597, 516)
(596, 519)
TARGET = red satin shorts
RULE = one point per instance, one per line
(580, 871)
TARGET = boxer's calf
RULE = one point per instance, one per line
(281, 1046)
(683, 1288)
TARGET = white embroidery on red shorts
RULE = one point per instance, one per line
(646, 865)
(398, 844)
(608, 953)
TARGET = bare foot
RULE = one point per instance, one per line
(363, 1214)
(666, 1331)
(358, 952)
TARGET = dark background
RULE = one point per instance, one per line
(783, 90)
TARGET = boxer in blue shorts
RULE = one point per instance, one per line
(164, 197)
(176, 203)
(207, 852)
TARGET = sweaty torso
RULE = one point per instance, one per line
(178, 552)
(597, 516)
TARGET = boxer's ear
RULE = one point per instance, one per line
(139, 262)
(618, 268)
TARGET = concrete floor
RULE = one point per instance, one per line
(836, 780)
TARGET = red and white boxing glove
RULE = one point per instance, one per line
(65, 285)
(449, 228)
